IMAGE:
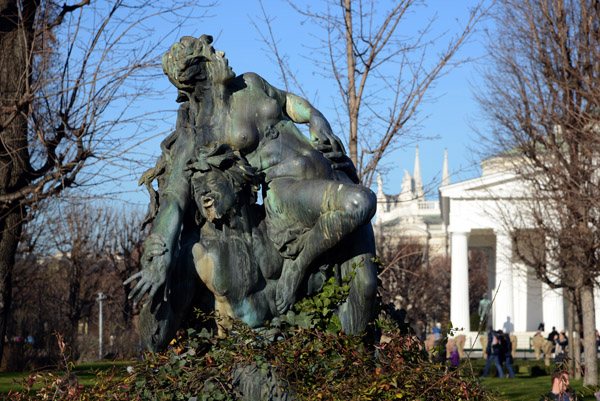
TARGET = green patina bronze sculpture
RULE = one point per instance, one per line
(212, 245)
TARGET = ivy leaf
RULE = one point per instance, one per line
(304, 320)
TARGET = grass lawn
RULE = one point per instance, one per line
(85, 372)
(525, 387)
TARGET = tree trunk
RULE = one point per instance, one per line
(10, 233)
(353, 101)
(577, 349)
(571, 331)
(589, 335)
(576, 342)
(15, 71)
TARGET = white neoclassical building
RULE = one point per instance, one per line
(471, 214)
(408, 214)
(475, 212)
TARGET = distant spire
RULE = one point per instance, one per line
(419, 193)
(379, 186)
(445, 172)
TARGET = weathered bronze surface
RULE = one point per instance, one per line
(212, 245)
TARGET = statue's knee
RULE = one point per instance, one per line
(360, 203)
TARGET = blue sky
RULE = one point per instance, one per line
(448, 116)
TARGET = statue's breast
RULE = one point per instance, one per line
(251, 110)
(240, 134)
(241, 131)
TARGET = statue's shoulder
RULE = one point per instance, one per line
(255, 81)
(250, 79)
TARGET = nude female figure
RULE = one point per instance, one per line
(311, 198)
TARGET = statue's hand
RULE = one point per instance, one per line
(155, 265)
(287, 286)
(324, 140)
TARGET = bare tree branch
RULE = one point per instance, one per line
(358, 49)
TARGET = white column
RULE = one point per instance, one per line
(553, 308)
(521, 296)
(504, 317)
(459, 283)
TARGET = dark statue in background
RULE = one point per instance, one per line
(212, 245)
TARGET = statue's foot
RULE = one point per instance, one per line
(287, 285)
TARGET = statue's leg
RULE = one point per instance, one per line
(357, 251)
(330, 209)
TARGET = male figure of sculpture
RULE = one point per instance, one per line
(484, 308)
(316, 217)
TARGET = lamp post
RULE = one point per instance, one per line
(100, 298)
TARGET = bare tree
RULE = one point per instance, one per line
(543, 98)
(68, 75)
(413, 281)
(83, 250)
(382, 73)
(125, 252)
(81, 236)
(419, 282)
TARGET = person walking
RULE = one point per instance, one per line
(493, 351)
(506, 352)
(561, 348)
(437, 331)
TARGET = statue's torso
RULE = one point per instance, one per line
(223, 263)
(270, 141)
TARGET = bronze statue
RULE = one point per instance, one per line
(211, 243)
(484, 307)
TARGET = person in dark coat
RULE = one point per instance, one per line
(553, 337)
(493, 351)
(506, 352)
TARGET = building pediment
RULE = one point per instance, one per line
(502, 185)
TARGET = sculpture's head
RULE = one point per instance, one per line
(193, 61)
(220, 179)
(214, 194)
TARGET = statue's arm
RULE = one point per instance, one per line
(161, 244)
(322, 138)
(300, 111)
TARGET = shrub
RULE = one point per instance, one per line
(538, 371)
(304, 352)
